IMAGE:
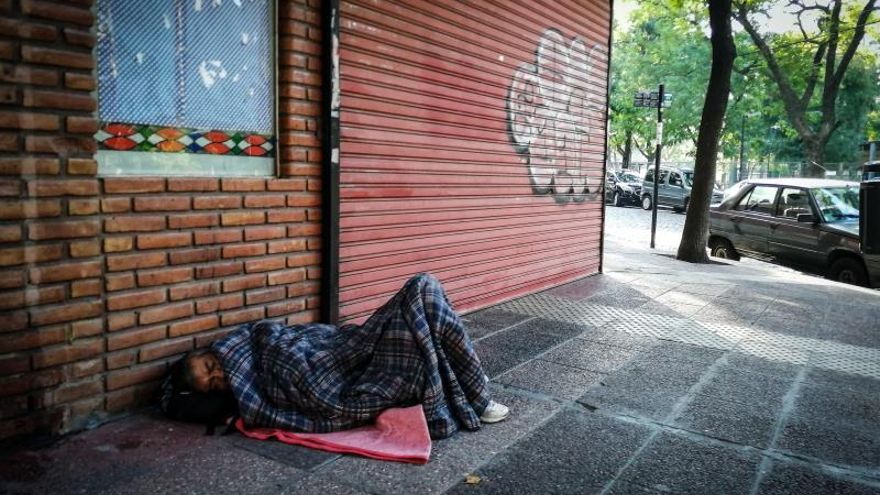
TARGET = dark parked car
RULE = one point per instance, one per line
(673, 189)
(803, 222)
(623, 188)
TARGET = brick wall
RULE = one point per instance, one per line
(104, 282)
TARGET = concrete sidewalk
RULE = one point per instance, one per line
(655, 377)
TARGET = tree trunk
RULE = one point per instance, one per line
(814, 153)
(696, 225)
(627, 150)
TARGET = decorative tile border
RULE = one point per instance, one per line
(134, 137)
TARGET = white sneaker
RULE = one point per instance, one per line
(495, 412)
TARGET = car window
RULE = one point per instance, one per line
(649, 177)
(793, 202)
(663, 175)
(838, 203)
(689, 179)
(758, 200)
(629, 177)
(675, 179)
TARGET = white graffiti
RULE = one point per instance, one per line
(550, 113)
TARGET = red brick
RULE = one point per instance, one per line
(29, 121)
(286, 277)
(10, 233)
(10, 187)
(122, 359)
(131, 338)
(134, 224)
(77, 207)
(79, 350)
(302, 318)
(261, 233)
(313, 215)
(85, 82)
(120, 262)
(11, 300)
(118, 244)
(285, 307)
(216, 202)
(118, 281)
(61, 58)
(57, 12)
(160, 350)
(11, 279)
(218, 236)
(8, 140)
(14, 364)
(194, 325)
(64, 272)
(62, 145)
(87, 328)
(219, 303)
(193, 185)
(85, 368)
(20, 74)
(85, 249)
(302, 289)
(61, 100)
(244, 250)
(81, 125)
(287, 246)
(304, 229)
(199, 255)
(72, 392)
(299, 139)
(135, 299)
(82, 166)
(130, 397)
(265, 201)
(115, 205)
(19, 210)
(164, 240)
(242, 316)
(116, 185)
(305, 259)
(44, 295)
(242, 218)
(244, 185)
(71, 187)
(30, 254)
(303, 200)
(165, 313)
(64, 230)
(118, 321)
(299, 169)
(141, 374)
(32, 381)
(164, 276)
(65, 312)
(261, 296)
(193, 221)
(264, 264)
(79, 38)
(191, 291)
(161, 203)
(219, 270)
(286, 215)
(18, 28)
(244, 282)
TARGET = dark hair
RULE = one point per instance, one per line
(180, 401)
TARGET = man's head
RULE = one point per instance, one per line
(204, 373)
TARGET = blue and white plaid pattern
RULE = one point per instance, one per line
(319, 378)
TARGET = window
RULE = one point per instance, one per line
(663, 175)
(649, 177)
(189, 81)
(675, 180)
(793, 202)
(759, 200)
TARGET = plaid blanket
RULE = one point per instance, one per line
(320, 378)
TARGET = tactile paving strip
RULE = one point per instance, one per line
(535, 305)
(697, 335)
(846, 365)
(772, 352)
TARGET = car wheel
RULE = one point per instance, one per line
(617, 200)
(849, 271)
(646, 202)
(722, 248)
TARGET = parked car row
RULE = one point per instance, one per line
(811, 223)
(624, 188)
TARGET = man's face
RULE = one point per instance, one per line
(207, 373)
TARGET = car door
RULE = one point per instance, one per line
(675, 192)
(791, 240)
(663, 188)
(751, 219)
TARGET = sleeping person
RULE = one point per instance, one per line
(320, 378)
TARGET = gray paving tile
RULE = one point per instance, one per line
(490, 320)
(609, 336)
(843, 381)
(705, 289)
(677, 296)
(575, 452)
(619, 488)
(614, 299)
(676, 351)
(291, 455)
(679, 465)
(753, 391)
(585, 287)
(839, 407)
(589, 355)
(729, 421)
(831, 443)
(504, 350)
(790, 479)
(753, 364)
(554, 327)
(557, 380)
(674, 310)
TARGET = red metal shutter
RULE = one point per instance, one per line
(472, 146)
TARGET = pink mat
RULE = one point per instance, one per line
(399, 434)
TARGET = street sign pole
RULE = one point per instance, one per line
(657, 166)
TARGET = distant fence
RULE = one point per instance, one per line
(727, 172)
